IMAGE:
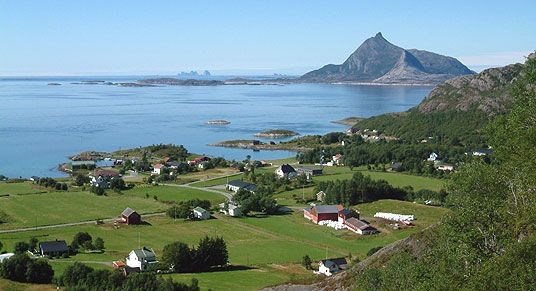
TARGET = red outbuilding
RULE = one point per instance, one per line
(129, 216)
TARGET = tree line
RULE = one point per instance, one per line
(489, 240)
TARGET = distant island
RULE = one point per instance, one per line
(54, 84)
(191, 74)
(218, 121)
(350, 121)
(276, 133)
(180, 82)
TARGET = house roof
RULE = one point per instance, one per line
(337, 261)
(145, 253)
(243, 185)
(159, 166)
(327, 208)
(346, 212)
(78, 163)
(104, 173)
(174, 163)
(127, 212)
(359, 224)
(54, 246)
(286, 168)
(200, 210)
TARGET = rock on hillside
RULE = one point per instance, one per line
(409, 70)
(488, 91)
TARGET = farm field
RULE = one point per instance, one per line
(65, 207)
(16, 286)
(20, 188)
(267, 244)
(395, 179)
(171, 193)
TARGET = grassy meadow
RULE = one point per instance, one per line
(266, 247)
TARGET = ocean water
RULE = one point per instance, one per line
(41, 125)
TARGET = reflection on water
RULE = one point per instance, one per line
(41, 125)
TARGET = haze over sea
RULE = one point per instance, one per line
(41, 125)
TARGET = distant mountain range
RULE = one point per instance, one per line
(378, 61)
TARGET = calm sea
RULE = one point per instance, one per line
(41, 125)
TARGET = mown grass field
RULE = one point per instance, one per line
(39, 209)
(20, 188)
(394, 178)
(267, 244)
(172, 193)
(8, 285)
(65, 207)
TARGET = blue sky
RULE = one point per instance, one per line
(163, 37)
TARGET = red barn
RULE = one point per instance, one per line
(129, 216)
(322, 212)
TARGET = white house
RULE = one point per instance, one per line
(286, 171)
(99, 182)
(330, 266)
(158, 169)
(143, 259)
(6, 256)
(230, 209)
(201, 213)
(236, 185)
(433, 157)
(337, 159)
(445, 167)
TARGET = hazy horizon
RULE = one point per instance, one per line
(65, 38)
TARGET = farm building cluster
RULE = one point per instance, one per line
(338, 217)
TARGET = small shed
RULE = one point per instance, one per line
(129, 216)
(200, 213)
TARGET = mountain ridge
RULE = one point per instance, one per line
(374, 60)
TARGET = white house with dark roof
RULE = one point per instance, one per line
(200, 213)
(433, 157)
(143, 259)
(329, 267)
(236, 185)
(286, 171)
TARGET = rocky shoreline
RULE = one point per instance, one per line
(257, 145)
(276, 133)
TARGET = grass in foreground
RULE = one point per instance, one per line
(272, 245)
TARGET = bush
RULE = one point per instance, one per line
(22, 268)
(373, 250)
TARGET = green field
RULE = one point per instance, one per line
(267, 244)
(171, 193)
(217, 181)
(16, 286)
(20, 188)
(65, 207)
(39, 209)
(395, 179)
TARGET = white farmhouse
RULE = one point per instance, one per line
(200, 213)
(158, 169)
(142, 259)
(286, 171)
(331, 266)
